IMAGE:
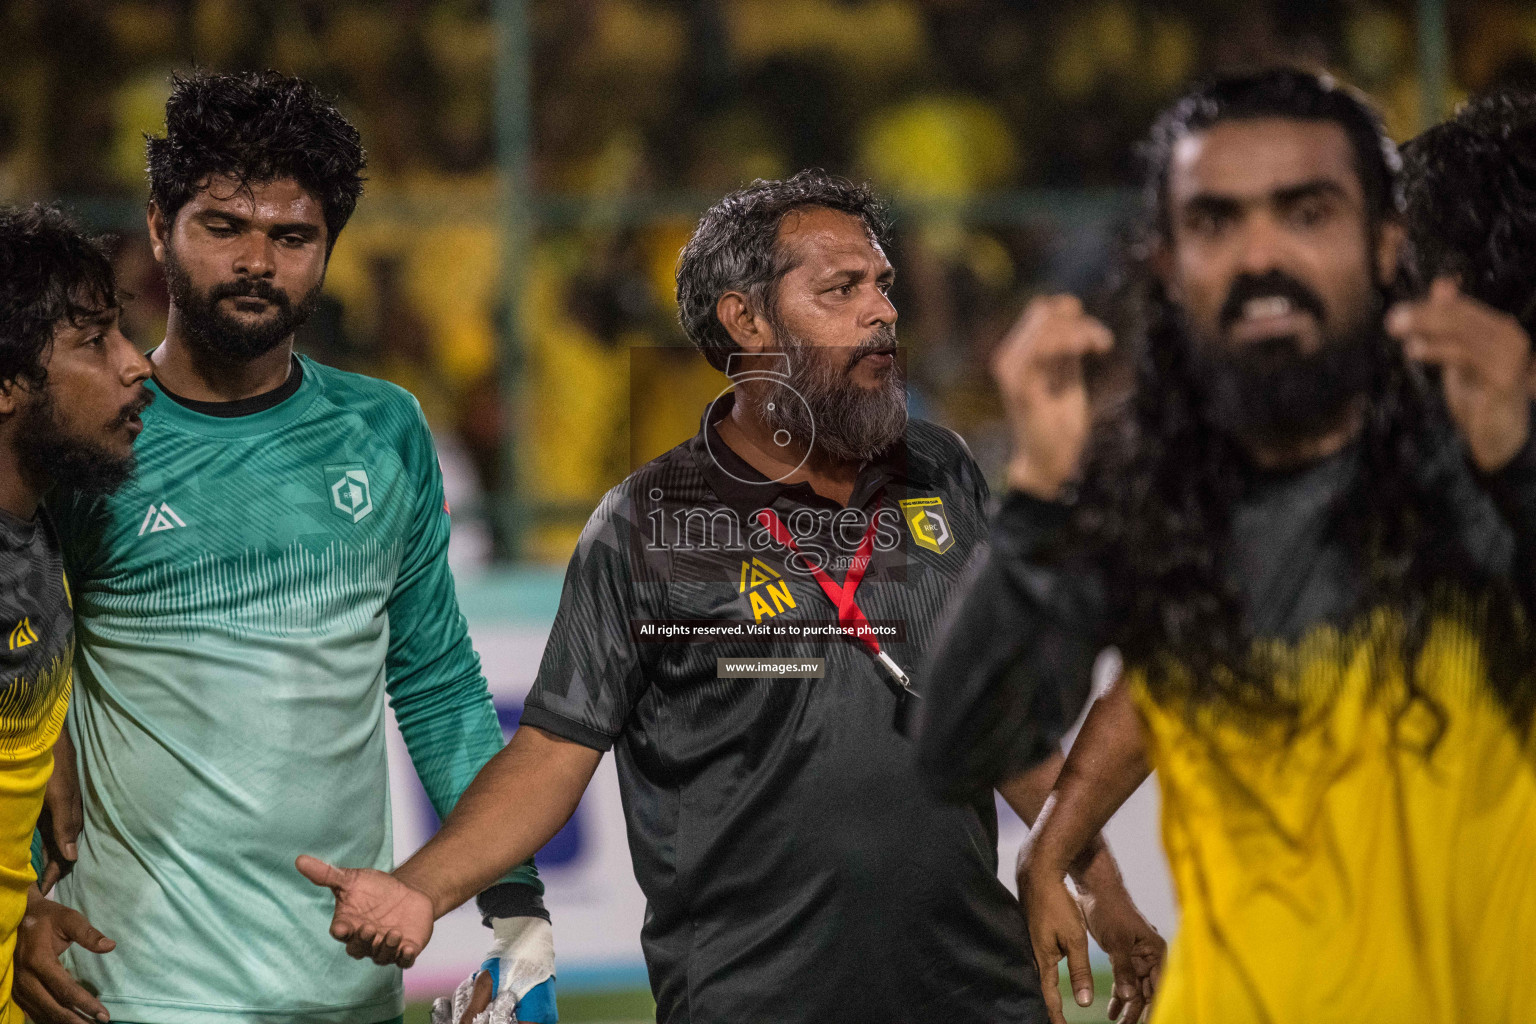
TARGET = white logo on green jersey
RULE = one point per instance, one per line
(160, 517)
(351, 497)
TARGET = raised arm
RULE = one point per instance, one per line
(1107, 763)
(1010, 668)
(1487, 374)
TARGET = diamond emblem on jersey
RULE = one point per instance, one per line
(23, 634)
(159, 518)
(928, 523)
(351, 496)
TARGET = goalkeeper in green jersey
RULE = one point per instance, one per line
(276, 571)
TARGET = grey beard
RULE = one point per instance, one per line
(847, 421)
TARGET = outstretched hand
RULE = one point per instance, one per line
(378, 916)
(1485, 360)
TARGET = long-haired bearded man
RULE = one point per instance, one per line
(1307, 527)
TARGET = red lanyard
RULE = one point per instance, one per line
(849, 615)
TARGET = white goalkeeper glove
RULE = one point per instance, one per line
(521, 966)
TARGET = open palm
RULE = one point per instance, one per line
(379, 917)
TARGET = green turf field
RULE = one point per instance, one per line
(636, 1007)
(582, 1008)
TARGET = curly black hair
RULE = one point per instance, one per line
(255, 127)
(1160, 483)
(735, 248)
(51, 272)
(1471, 189)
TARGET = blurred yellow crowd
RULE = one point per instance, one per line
(1005, 133)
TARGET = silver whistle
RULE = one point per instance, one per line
(895, 672)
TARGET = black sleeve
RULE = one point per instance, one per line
(590, 677)
(1513, 490)
(1013, 661)
(510, 899)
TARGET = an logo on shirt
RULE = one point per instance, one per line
(928, 523)
(159, 518)
(766, 589)
(351, 496)
(23, 634)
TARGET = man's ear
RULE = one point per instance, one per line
(158, 228)
(10, 394)
(747, 329)
(1390, 239)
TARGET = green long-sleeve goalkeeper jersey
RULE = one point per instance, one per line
(245, 604)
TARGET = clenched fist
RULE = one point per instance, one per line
(1039, 369)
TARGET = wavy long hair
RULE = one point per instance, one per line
(1160, 482)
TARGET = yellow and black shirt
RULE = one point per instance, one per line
(36, 653)
(1368, 861)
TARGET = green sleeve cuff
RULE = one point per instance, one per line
(525, 874)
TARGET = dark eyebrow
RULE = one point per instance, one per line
(304, 229)
(1213, 204)
(1317, 187)
(87, 320)
(855, 274)
(95, 318)
(836, 273)
(233, 218)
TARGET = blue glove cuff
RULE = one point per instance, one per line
(538, 1006)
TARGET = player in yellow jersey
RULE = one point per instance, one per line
(71, 390)
(1308, 527)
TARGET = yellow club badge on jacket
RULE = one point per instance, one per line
(928, 523)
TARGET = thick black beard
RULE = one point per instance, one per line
(1272, 392)
(221, 337)
(1153, 518)
(848, 421)
(48, 451)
